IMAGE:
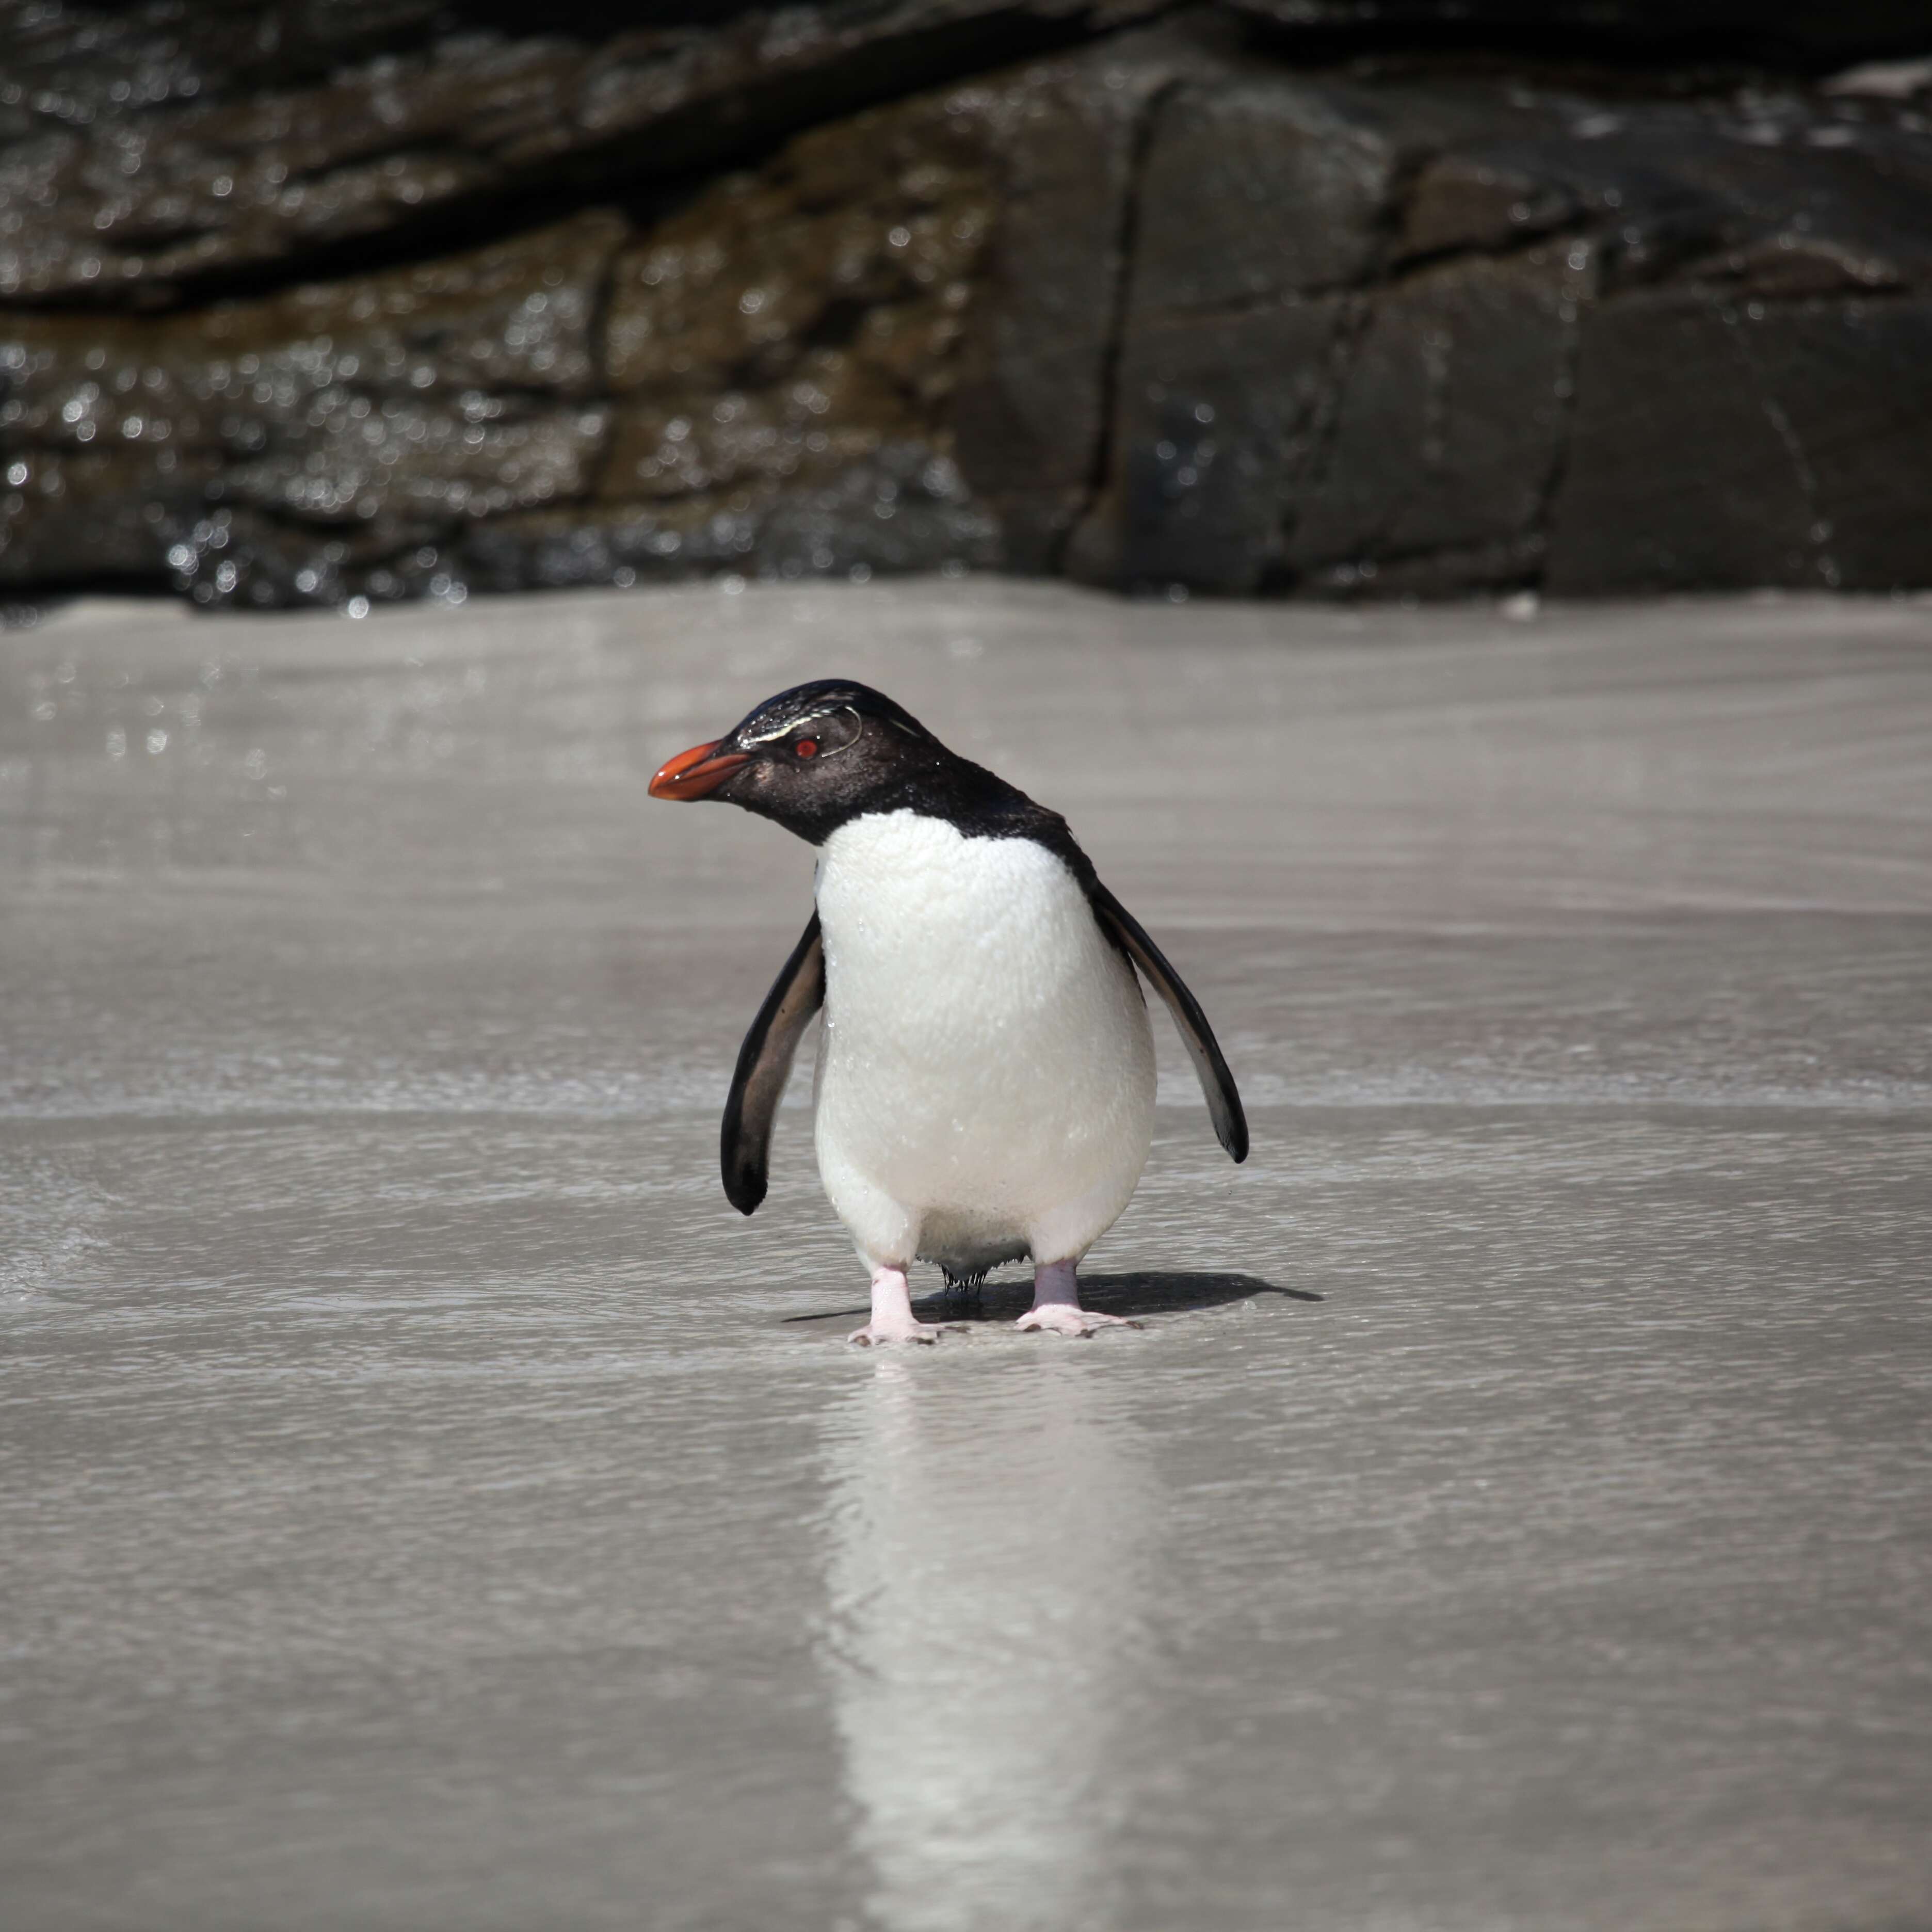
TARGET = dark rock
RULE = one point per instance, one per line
(1279, 216)
(904, 507)
(1852, 383)
(1160, 310)
(557, 549)
(1725, 445)
(886, 349)
(159, 144)
(1448, 425)
(1677, 477)
(1254, 197)
(1364, 315)
(1257, 189)
(293, 448)
(764, 380)
(782, 356)
(1216, 416)
(1030, 411)
(790, 324)
(1464, 203)
(1756, 29)
(81, 517)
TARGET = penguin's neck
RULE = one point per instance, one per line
(948, 790)
(918, 894)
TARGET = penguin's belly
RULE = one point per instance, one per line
(985, 1076)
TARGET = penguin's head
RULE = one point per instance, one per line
(811, 758)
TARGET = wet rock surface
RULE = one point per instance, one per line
(166, 143)
(337, 439)
(1427, 336)
(1174, 308)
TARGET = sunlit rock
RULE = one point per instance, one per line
(379, 305)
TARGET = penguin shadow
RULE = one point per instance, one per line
(1131, 1296)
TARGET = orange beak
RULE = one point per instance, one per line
(697, 773)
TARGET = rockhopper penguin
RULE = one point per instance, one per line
(986, 1080)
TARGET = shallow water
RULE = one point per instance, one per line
(426, 1503)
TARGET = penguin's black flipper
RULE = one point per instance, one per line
(764, 1065)
(1224, 1103)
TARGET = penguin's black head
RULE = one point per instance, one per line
(814, 757)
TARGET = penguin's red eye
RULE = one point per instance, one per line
(807, 748)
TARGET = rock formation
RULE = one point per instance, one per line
(378, 299)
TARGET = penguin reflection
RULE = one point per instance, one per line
(987, 1575)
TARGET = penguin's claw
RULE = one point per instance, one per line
(1060, 1317)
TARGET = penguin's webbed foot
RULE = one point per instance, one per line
(1056, 1309)
(1058, 1318)
(876, 1332)
(892, 1319)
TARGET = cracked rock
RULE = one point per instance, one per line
(1162, 310)
(1429, 335)
(1448, 421)
(1726, 445)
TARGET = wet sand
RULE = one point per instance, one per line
(427, 1503)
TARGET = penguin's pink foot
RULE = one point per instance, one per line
(1058, 1319)
(875, 1333)
(1056, 1309)
(893, 1319)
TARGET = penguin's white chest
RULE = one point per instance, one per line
(985, 1077)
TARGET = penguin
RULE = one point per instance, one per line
(985, 1086)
